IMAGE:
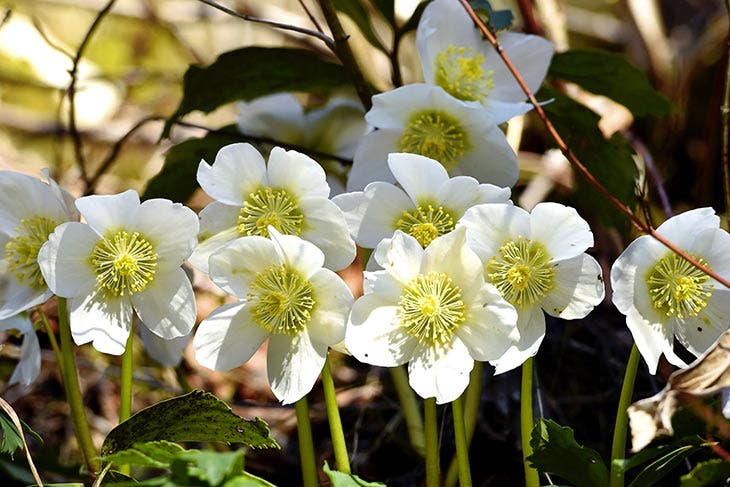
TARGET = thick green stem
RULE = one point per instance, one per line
(462, 444)
(433, 469)
(306, 444)
(73, 392)
(527, 423)
(342, 458)
(618, 448)
(410, 408)
(471, 414)
(125, 380)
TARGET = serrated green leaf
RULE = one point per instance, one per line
(556, 451)
(386, 9)
(659, 468)
(707, 473)
(340, 479)
(196, 416)
(11, 440)
(210, 466)
(611, 75)
(412, 23)
(359, 14)
(251, 72)
(153, 454)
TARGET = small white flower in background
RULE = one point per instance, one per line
(290, 194)
(428, 205)
(424, 119)
(29, 365)
(165, 351)
(127, 259)
(456, 58)
(537, 261)
(287, 297)
(29, 211)
(432, 309)
(663, 296)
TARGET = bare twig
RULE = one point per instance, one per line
(653, 171)
(6, 17)
(724, 115)
(311, 16)
(532, 25)
(41, 31)
(577, 164)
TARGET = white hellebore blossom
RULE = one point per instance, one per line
(431, 308)
(423, 119)
(537, 261)
(29, 364)
(287, 297)
(126, 259)
(456, 58)
(29, 211)
(289, 194)
(663, 295)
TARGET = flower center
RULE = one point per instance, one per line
(460, 73)
(281, 300)
(22, 250)
(437, 135)
(124, 263)
(677, 288)
(268, 206)
(430, 308)
(425, 223)
(521, 271)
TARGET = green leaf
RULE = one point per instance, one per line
(496, 20)
(340, 479)
(658, 469)
(210, 466)
(609, 160)
(556, 451)
(613, 76)
(710, 472)
(651, 453)
(359, 14)
(11, 440)
(197, 416)
(412, 23)
(153, 454)
(247, 480)
(386, 9)
(251, 72)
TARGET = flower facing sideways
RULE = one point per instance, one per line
(126, 259)
(663, 295)
(431, 308)
(287, 297)
(537, 261)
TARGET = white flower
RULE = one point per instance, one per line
(663, 295)
(165, 351)
(537, 261)
(29, 364)
(424, 119)
(290, 194)
(432, 309)
(127, 259)
(456, 58)
(29, 211)
(287, 297)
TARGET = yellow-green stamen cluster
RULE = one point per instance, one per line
(22, 250)
(425, 223)
(435, 134)
(268, 206)
(281, 300)
(677, 288)
(460, 73)
(124, 263)
(522, 272)
(430, 308)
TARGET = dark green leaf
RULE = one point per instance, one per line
(340, 479)
(710, 472)
(11, 441)
(610, 75)
(386, 9)
(251, 72)
(412, 23)
(556, 451)
(247, 480)
(197, 416)
(359, 14)
(658, 469)
(651, 453)
(496, 20)
(153, 454)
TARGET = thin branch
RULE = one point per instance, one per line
(395, 76)
(532, 25)
(278, 25)
(653, 171)
(41, 31)
(724, 115)
(6, 17)
(311, 16)
(635, 220)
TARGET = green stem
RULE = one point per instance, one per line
(462, 444)
(125, 380)
(73, 392)
(471, 414)
(306, 444)
(433, 469)
(618, 448)
(52, 339)
(342, 459)
(410, 407)
(527, 423)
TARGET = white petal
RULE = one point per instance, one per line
(531, 326)
(419, 176)
(238, 170)
(370, 162)
(487, 333)
(280, 113)
(29, 365)
(651, 338)
(460, 193)
(166, 352)
(108, 212)
(299, 254)
(530, 54)
(16, 297)
(227, 338)
(326, 227)
(491, 225)
(578, 288)
(293, 365)
(167, 304)
(491, 159)
(17, 322)
(560, 229)
(217, 217)
(392, 109)
(103, 320)
(402, 258)
(450, 255)
(627, 277)
(440, 373)
(65, 260)
(699, 333)
(502, 111)
(23, 196)
(297, 173)
(711, 244)
(172, 229)
(334, 302)
(337, 128)
(235, 266)
(682, 229)
(200, 257)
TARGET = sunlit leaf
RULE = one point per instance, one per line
(154, 454)
(212, 467)
(707, 473)
(340, 479)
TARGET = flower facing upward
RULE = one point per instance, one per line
(289, 194)
(431, 308)
(287, 297)
(127, 259)
(663, 295)
(537, 261)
